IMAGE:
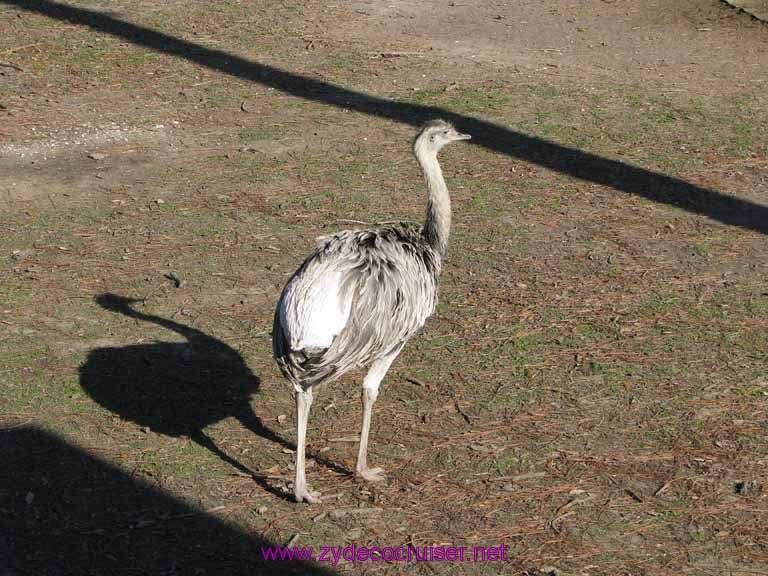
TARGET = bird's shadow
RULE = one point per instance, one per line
(178, 388)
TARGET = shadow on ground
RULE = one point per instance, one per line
(576, 163)
(63, 512)
(178, 388)
(174, 388)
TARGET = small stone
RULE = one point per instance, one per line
(281, 419)
(354, 534)
(159, 201)
(29, 498)
(97, 156)
(19, 255)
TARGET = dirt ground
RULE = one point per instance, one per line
(592, 391)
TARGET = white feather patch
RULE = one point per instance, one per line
(313, 314)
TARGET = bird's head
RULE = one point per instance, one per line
(435, 134)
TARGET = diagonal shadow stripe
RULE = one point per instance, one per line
(583, 165)
(65, 511)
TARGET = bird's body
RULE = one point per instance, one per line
(358, 298)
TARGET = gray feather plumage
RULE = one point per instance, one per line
(390, 278)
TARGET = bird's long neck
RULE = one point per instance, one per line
(437, 226)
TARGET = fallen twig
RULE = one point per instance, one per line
(293, 540)
(393, 54)
(354, 511)
(519, 477)
(345, 439)
(467, 417)
(18, 48)
(416, 381)
(350, 221)
(663, 487)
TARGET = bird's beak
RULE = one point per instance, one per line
(460, 136)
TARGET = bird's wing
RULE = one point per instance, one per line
(314, 307)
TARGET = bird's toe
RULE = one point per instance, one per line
(310, 496)
(307, 495)
(372, 474)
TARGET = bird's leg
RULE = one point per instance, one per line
(370, 474)
(300, 488)
(370, 393)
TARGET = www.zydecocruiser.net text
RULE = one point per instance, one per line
(355, 553)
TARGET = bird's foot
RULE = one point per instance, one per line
(306, 495)
(372, 474)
